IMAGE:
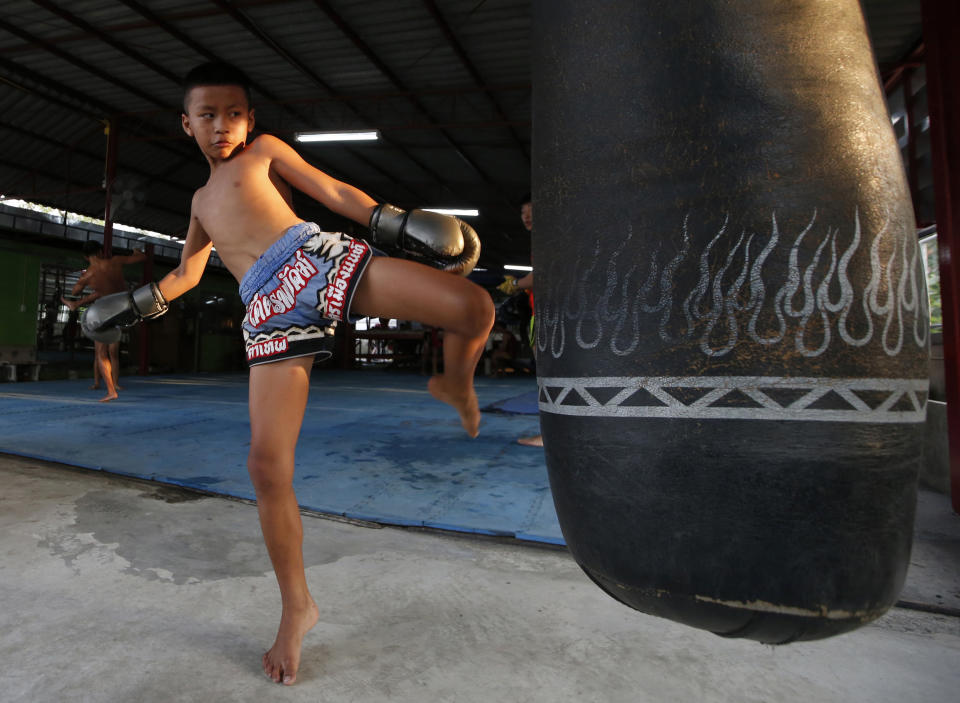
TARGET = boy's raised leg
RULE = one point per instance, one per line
(278, 398)
(394, 288)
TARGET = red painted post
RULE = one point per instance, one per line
(109, 173)
(940, 20)
(145, 329)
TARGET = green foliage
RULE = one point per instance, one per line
(930, 264)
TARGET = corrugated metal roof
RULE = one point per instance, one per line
(456, 130)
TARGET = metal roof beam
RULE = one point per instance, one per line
(185, 39)
(300, 66)
(108, 38)
(396, 80)
(79, 63)
(62, 89)
(461, 53)
(92, 156)
(169, 28)
(58, 178)
(54, 87)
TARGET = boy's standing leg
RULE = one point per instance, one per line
(278, 398)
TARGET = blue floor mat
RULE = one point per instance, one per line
(523, 404)
(374, 445)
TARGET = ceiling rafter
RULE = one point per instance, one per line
(196, 46)
(360, 44)
(107, 38)
(147, 24)
(72, 148)
(106, 110)
(61, 146)
(250, 26)
(432, 140)
(79, 63)
(58, 178)
(461, 53)
(47, 84)
(381, 66)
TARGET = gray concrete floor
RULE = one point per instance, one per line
(118, 590)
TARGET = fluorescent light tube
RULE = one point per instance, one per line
(512, 267)
(337, 136)
(453, 211)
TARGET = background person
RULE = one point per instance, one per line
(105, 276)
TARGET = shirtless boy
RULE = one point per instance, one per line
(294, 281)
(105, 276)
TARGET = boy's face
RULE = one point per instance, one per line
(526, 214)
(219, 118)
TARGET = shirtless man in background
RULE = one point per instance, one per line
(105, 276)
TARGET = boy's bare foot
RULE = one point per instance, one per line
(95, 387)
(531, 441)
(464, 403)
(119, 387)
(108, 397)
(283, 659)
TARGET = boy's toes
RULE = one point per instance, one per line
(269, 669)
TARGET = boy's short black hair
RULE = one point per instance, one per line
(92, 247)
(215, 73)
(525, 199)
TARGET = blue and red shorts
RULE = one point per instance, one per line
(297, 291)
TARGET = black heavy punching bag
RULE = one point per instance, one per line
(732, 315)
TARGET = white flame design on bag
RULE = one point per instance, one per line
(726, 306)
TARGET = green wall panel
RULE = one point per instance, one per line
(19, 282)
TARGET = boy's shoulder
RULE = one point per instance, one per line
(264, 142)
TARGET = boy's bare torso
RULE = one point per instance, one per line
(244, 208)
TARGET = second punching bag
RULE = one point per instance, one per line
(732, 315)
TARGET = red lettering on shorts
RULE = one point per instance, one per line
(336, 297)
(283, 298)
(271, 347)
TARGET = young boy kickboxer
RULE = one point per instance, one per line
(296, 281)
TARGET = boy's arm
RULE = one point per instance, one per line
(338, 196)
(439, 240)
(193, 261)
(149, 301)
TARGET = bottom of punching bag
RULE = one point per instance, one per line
(764, 623)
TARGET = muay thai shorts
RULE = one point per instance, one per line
(298, 290)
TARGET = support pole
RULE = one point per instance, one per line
(940, 19)
(145, 329)
(110, 173)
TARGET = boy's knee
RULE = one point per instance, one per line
(264, 469)
(481, 311)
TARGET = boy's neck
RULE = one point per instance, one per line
(215, 163)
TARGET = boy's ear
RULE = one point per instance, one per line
(251, 120)
(185, 123)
